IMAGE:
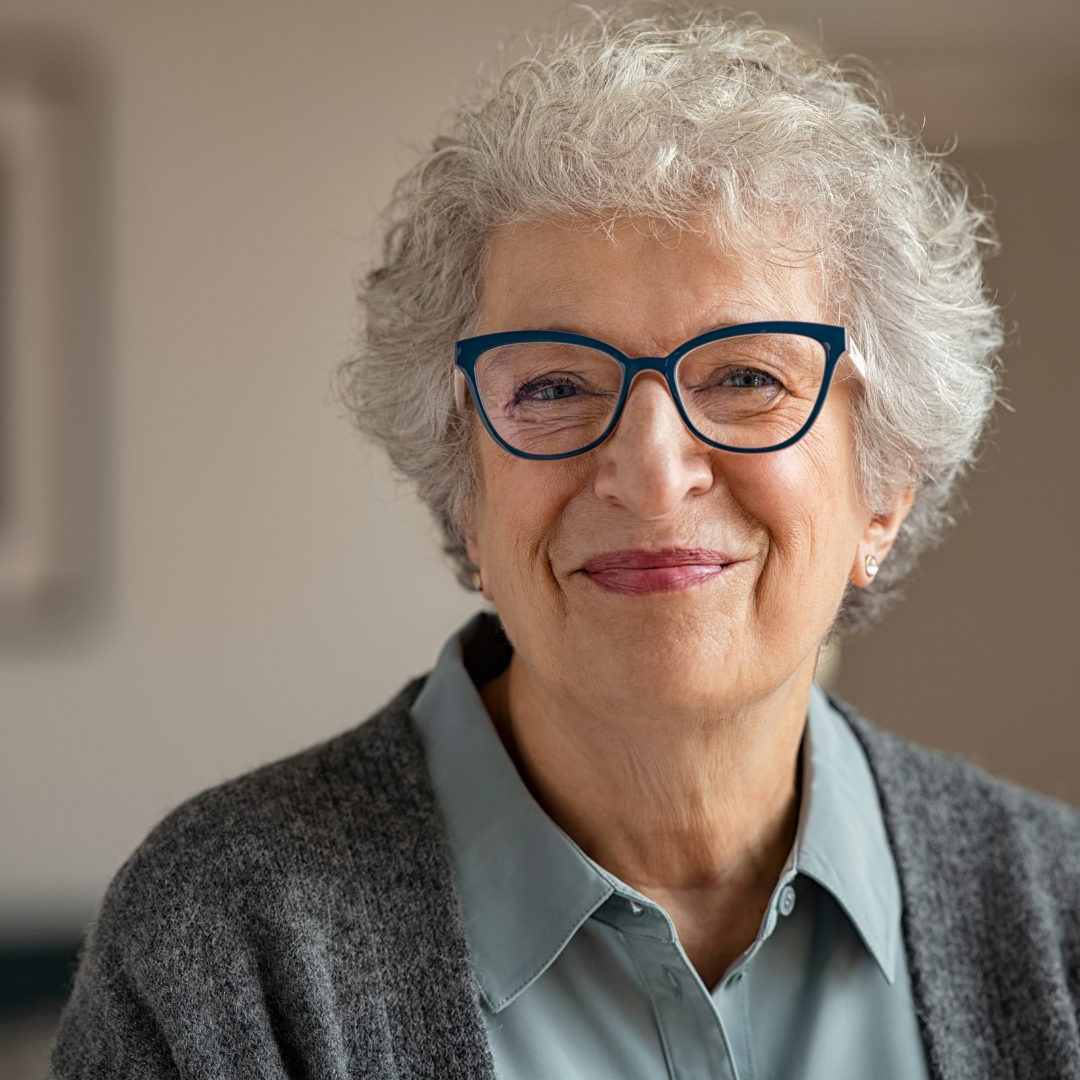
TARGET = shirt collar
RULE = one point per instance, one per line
(525, 887)
(841, 840)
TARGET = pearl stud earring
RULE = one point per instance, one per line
(871, 564)
(478, 581)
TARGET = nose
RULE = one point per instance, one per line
(652, 462)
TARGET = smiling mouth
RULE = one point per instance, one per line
(655, 571)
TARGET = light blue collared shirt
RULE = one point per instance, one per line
(582, 978)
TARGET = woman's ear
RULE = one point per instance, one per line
(878, 538)
(473, 549)
(472, 544)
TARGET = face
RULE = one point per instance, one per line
(654, 572)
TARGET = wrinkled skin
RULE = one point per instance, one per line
(661, 729)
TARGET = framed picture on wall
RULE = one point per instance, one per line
(49, 347)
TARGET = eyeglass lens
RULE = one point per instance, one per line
(752, 391)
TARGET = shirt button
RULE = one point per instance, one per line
(787, 900)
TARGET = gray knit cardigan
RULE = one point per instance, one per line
(301, 922)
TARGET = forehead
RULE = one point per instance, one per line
(637, 284)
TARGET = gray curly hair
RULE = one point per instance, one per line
(682, 116)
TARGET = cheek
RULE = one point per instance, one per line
(519, 512)
(806, 500)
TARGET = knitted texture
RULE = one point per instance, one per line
(990, 880)
(298, 922)
(301, 921)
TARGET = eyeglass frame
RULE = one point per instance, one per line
(834, 340)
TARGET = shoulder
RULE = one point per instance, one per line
(990, 872)
(316, 832)
(274, 919)
(955, 806)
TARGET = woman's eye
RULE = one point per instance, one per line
(543, 390)
(748, 379)
(553, 393)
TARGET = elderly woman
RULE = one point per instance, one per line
(722, 352)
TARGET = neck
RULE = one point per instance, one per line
(697, 813)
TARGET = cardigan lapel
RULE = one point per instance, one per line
(428, 998)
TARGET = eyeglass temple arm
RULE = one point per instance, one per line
(858, 361)
(461, 392)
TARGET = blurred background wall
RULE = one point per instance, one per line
(255, 582)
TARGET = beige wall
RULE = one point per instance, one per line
(983, 658)
(267, 588)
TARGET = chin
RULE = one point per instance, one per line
(673, 649)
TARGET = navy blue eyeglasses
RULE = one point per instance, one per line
(750, 388)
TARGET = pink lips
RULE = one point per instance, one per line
(654, 571)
